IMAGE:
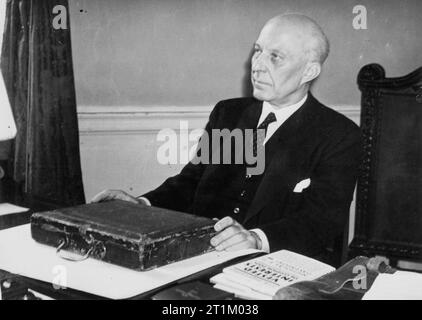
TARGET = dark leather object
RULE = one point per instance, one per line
(349, 282)
(130, 235)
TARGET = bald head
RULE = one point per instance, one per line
(315, 42)
(288, 56)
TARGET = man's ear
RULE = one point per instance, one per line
(311, 72)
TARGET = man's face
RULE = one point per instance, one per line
(278, 63)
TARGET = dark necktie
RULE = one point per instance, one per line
(259, 139)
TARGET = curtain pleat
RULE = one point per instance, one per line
(38, 71)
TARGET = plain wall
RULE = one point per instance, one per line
(196, 52)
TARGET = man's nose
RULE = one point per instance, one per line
(258, 64)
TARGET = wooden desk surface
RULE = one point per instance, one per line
(326, 287)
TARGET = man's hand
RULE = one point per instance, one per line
(232, 236)
(108, 195)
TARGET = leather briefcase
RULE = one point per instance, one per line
(119, 232)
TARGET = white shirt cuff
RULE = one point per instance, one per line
(265, 245)
(145, 200)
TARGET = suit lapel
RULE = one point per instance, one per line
(250, 116)
(248, 120)
(279, 151)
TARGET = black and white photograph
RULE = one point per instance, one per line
(234, 151)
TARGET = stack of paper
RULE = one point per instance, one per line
(7, 208)
(401, 285)
(262, 277)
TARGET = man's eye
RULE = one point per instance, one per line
(275, 57)
(257, 50)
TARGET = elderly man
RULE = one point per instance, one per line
(301, 200)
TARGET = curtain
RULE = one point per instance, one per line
(37, 68)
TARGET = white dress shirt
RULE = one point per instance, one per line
(281, 114)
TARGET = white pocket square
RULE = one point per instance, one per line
(302, 185)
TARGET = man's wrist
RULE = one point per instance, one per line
(257, 239)
(265, 245)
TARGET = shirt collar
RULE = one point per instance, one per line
(281, 112)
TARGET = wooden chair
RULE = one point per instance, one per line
(389, 190)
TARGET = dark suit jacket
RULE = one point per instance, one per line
(316, 142)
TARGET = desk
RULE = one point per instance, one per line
(22, 284)
(308, 290)
(105, 280)
(17, 286)
(31, 259)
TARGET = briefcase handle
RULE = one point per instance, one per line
(94, 246)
